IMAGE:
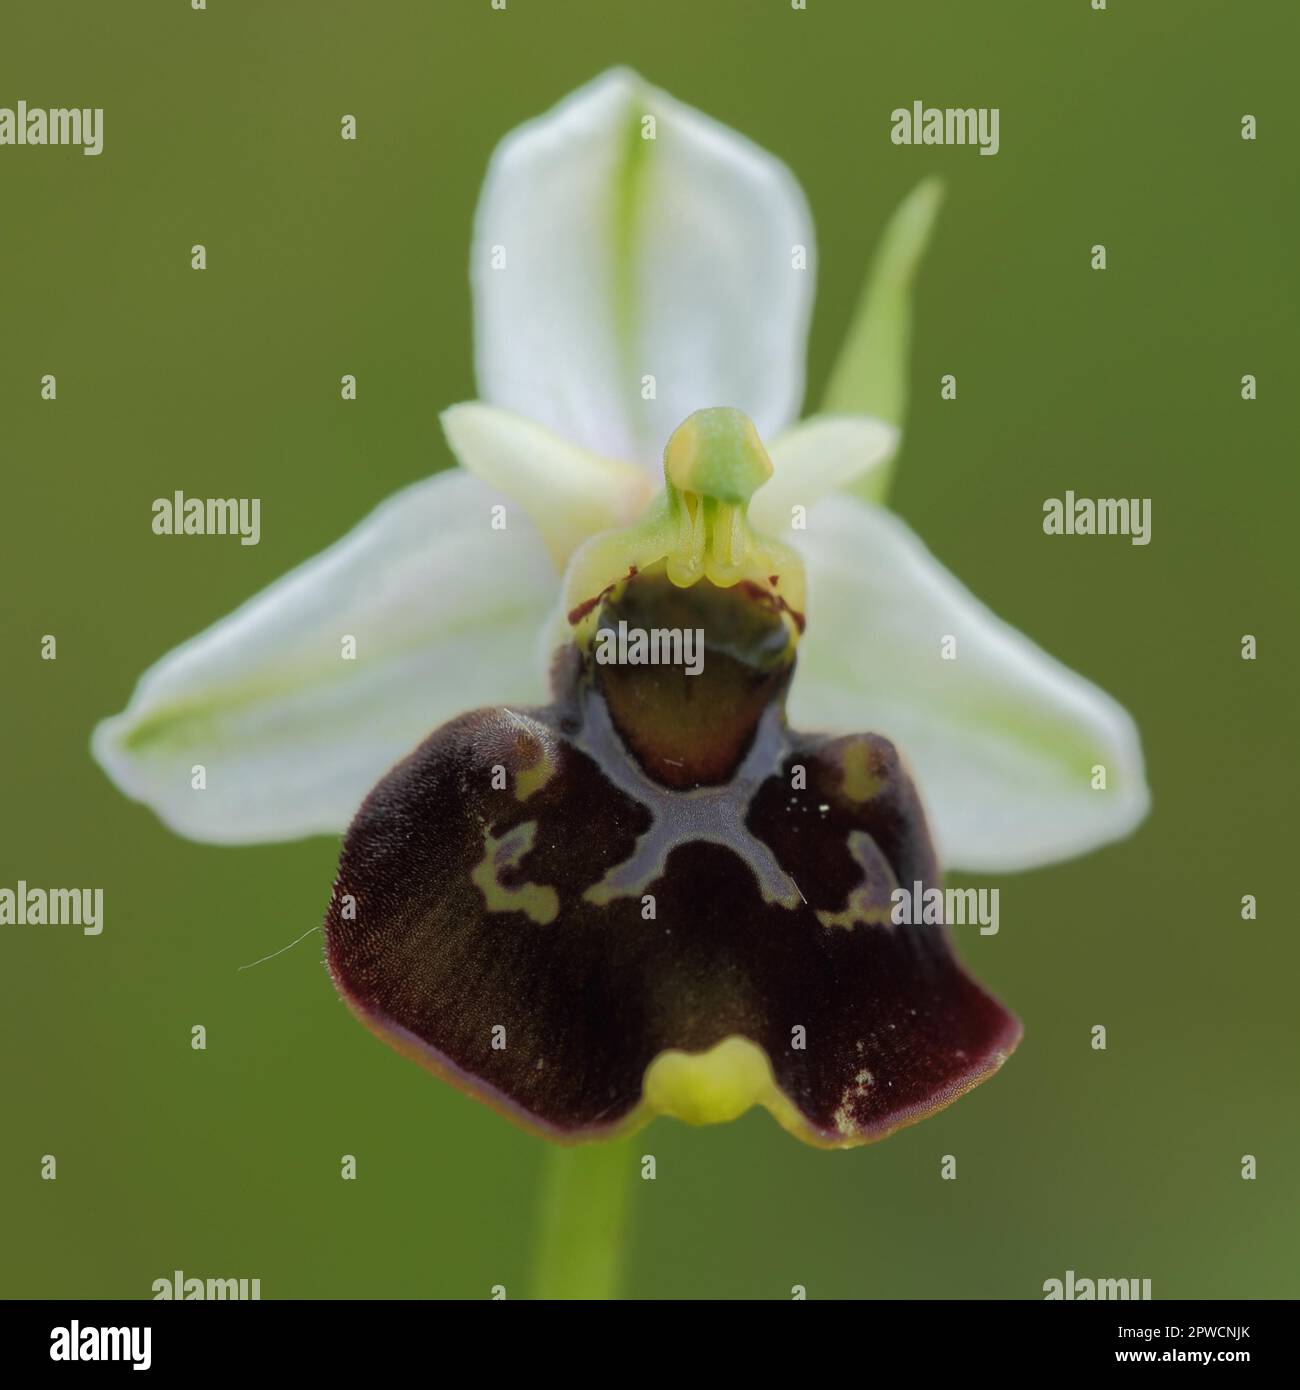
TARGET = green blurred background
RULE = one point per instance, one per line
(222, 127)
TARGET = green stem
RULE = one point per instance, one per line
(583, 1224)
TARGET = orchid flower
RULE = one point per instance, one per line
(643, 282)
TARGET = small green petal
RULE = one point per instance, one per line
(824, 453)
(568, 493)
(870, 375)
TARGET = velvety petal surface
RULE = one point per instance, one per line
(445, 613)
(603, 258)
(536, 906)
(1003, 739)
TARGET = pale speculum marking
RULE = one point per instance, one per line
(535, 900)
(712, 814)
(870, 901)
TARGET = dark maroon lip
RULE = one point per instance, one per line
(537, 903)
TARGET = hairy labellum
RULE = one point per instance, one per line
(652, 896)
